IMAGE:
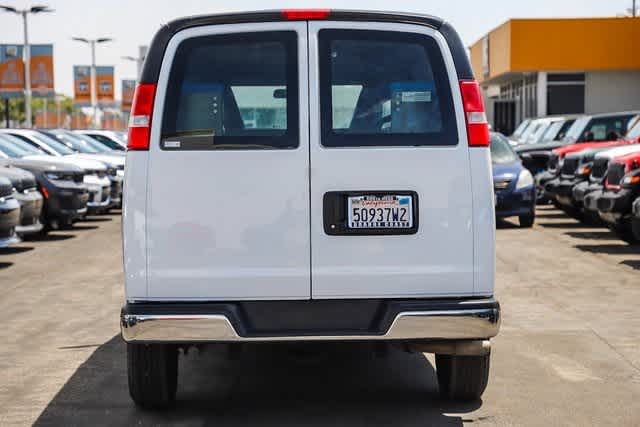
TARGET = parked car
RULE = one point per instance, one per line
(95, 151)
(398, 241)
(592, 128)
(556, 158)
(111, 139)
(95, 177)
(588, 192)
(61, 184)
(9, 214)
(575, 169)
(25, 191)
(621, 189)
(513, 184)
(635, 219)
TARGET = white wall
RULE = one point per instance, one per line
(610, 91)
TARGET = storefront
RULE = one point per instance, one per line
(539, 67)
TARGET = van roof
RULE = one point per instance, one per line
(155, 54)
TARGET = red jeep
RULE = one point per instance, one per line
(621, 188)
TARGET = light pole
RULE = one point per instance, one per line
(94, 93)
(27, 53)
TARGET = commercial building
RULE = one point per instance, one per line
(538, 67)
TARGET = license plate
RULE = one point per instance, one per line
(389, 211)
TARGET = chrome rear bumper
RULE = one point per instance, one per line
(454, 324)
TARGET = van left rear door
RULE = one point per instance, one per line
(228, 184)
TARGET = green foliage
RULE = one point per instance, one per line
(17, 113)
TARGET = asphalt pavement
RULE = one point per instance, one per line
(568, 352)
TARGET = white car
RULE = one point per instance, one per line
(88, 148)
(95, 178)
(308, 176)
(109, 138)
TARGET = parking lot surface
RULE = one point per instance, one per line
(568, 351)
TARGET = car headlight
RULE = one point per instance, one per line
(584, 170)
(525, 179)
(54, 176)
(630, 180)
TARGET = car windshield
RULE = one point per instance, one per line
(576, 129)
(634, 132)
(501, 151)
(54, 144)
(73, 142)
(103, 140)
(10, 149)
(100, 148)
(521, 128)
(23, 146)
(539, 133)
(552, 131)
(530, 130)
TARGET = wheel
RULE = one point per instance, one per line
(153, 374)
(462, 378)
(526, 221)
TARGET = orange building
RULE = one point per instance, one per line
(539, 67)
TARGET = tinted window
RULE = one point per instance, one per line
(73, 142)
(501, 151)
(634, 132)
(606, 128)
(106, 141)
(24, 144)
(10, 149)
(233, 91)
(383, 89)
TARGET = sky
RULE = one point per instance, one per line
(132, 23)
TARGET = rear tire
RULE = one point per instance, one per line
(526, 221)
(153, 374)
(462, 378)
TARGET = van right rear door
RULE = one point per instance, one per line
(391, 198)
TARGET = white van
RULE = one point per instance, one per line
(308, 176)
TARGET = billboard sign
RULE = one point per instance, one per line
(42, 70)
(11, 71)
(105, 85)
(82, 85)
(128, 87)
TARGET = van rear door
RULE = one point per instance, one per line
(228, 184)
(391, 199)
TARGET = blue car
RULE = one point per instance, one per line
(515, 192)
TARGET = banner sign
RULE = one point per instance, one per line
(42, 70)
(82, 85)
(11, 71)
(105, 84)
(128, 87)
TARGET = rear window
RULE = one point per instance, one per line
(235, 91)
(382, 88)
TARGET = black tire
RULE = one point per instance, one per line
(152, 374)
(526, 221)
(462, 378)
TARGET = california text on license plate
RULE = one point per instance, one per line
(389, 211)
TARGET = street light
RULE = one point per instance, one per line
(27, 53)
(94, 93)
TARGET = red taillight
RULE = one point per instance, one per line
(477, 126)
(305, 14)
(140, 120)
